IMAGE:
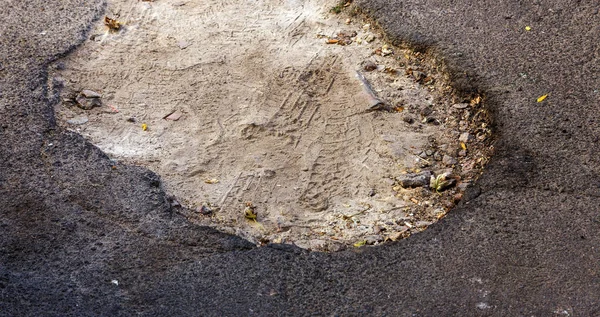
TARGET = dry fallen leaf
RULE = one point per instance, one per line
(528, 28)
(332, 41)
(542, 98)
(360, 243)
(211, 181)
(249, 212)
(463, 145)
(112, 24)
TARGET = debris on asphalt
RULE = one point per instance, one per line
(449, 160)
(465, 137)
(78, 120)
(342, 38)
(412, 180)
(112, 24)
(460, 105)
(211, 181)
(205, 210)
(250, 212)
(144, 127)
(386, 50)
(369, 66)
(360, 243)
(173, 115)
(88, 99)
(441, 182)
(183, 44)
(542, 98)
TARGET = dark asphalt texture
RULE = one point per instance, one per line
(525, 242)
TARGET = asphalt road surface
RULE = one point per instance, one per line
(79, 237)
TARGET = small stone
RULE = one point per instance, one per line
(460, 105)
(458, 197)
(429, 152)
(423, 223)
(376, 229)
(183, 44)
(462, 153)
(205, 210)
(425, 111)
(78, 120)
(87, 103)
(463, 185)
(267, 173)
(370, 66)
(419, 76)
(90, 94)
(386, 50)
(449, 160)
(373, 239)
(412, 180)
(366, 26)
(369, 38)
(465, 137)
(131, 119)
(408, 119)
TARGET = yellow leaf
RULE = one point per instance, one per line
(528, 28)
(144, 126)
(360, 243)
(211, 181)
(463, 145)
(542, 98)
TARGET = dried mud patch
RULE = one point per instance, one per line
(279, 121)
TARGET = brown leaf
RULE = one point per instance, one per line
(112, 24)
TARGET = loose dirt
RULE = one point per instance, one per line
(254, 115)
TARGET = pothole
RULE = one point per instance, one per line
(258, 118)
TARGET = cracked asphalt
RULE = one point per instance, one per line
(524, 243)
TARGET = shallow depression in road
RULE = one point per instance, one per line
(258, 117)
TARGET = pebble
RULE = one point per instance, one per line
(423, 223)
(425, 111)
(373, 239)
(462, 153)
(460, 105)
(419, 75)
(414, 180)
(87, 103)
(465, 137)
(78, 120)
(370, 66)
(376, 229)
(449, 160)
(464, 185)
(90, 94)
